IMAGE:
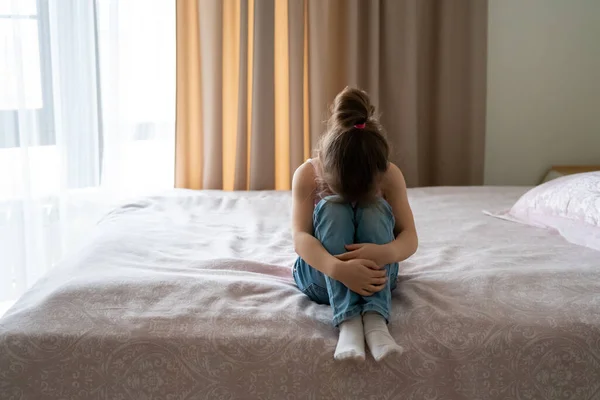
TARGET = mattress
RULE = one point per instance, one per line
(189, 295)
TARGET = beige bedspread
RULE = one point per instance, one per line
(190, 296)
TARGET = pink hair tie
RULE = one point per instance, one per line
(360, 126)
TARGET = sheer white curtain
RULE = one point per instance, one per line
(87, 118)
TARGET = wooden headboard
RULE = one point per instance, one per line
(575, 169)
(561, 170)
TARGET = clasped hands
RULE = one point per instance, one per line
(362, 268)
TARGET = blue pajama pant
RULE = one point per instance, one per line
(337, 224)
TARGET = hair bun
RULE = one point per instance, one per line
(351, 107)
(353, 152)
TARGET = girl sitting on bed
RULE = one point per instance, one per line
(352, 224)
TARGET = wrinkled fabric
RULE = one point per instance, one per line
(190, 296)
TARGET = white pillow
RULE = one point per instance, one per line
(570, 205)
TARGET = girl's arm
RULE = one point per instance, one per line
(306, 245)
(406, 242)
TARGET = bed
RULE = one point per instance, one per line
(189, 295)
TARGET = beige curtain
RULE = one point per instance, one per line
(255, 77)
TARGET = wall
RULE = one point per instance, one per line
(543, 104)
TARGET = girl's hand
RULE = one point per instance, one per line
(365, 251)
(361, 276)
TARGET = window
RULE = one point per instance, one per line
(87, 118)
(25, 69)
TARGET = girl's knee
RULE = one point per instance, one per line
(331, 209)
(334, 225)
(377, 213)
(375, 223)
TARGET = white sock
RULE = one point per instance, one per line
(378, 337)
(351, 344)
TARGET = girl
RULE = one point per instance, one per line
(352, 224)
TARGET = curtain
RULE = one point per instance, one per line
(87, 118)
(233, 94)
(255, 79)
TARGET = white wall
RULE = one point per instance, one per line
(543, 102)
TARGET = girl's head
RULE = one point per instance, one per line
(353, 151)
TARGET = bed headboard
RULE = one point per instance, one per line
(557, 171)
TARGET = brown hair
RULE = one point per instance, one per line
(353, 158)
